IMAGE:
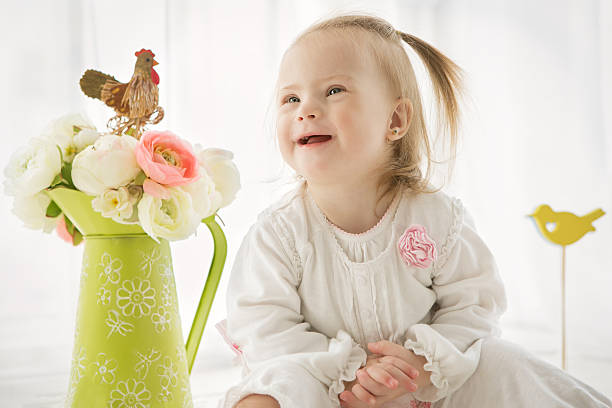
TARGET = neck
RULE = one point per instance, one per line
(353, 208)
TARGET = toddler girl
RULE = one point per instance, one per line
(364, 286)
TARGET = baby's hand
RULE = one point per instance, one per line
(384, 378)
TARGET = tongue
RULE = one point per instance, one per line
(317, 139)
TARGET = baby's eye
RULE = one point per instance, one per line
(334, 90)
(292, 99)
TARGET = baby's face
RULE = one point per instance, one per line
(327, 87)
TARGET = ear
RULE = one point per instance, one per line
(400, 118)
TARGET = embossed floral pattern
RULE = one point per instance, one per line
(104, 369)
(104, 296)
(136, 298)
(416, 247)
(130, 394)
(161, 319)
(166, 297)
(126, 291)
(181, 355)
(186, 389)
(168, 378)
(164, 268)
(109, 269)
(78, 364)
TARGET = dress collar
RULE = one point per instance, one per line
(383, 222)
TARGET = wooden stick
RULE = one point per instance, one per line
(563, 348)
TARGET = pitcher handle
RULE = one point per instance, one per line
(210, 288)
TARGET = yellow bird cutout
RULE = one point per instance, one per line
(568, 228)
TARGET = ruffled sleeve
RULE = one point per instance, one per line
(470, 298)
(281, 355)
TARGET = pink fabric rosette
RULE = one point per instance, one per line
(416, 247)
(166, 160)
(419, 404)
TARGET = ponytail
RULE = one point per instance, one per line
(446, 78)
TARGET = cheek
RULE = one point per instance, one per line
(360, 125)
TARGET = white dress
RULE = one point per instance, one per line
(305, 298)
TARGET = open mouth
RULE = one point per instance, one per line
(314, 139)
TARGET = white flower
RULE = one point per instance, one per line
(173, 218)
(32, 168)
(86, 137)
(32, 211)
(219, 165)
(108, 163)
(72, 133)
(117, 204)
(205, 198)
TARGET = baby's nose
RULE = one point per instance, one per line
(309, 116)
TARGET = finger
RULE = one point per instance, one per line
(374, 356)
(363, 394)
(402, 365)
(388, 348)
(380, 374)
(350, 400)
(404, 381)
(375, 387)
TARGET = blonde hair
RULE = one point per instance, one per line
(407, 152)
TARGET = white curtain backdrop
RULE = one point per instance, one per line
(537, 129)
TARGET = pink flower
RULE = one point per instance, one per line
(155, 189)
(166, 159)
(416, 247)
(62, 231)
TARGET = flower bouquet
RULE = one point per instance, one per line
(125, 193)
(160, 182)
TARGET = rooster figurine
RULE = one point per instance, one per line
(134, 102)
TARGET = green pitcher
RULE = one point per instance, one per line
(128, 345)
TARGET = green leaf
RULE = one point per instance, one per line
(77, 237)
(57, 180)
(140, 178)
(67, 173)
(69, 227)
(53, 210)
(130, 131)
